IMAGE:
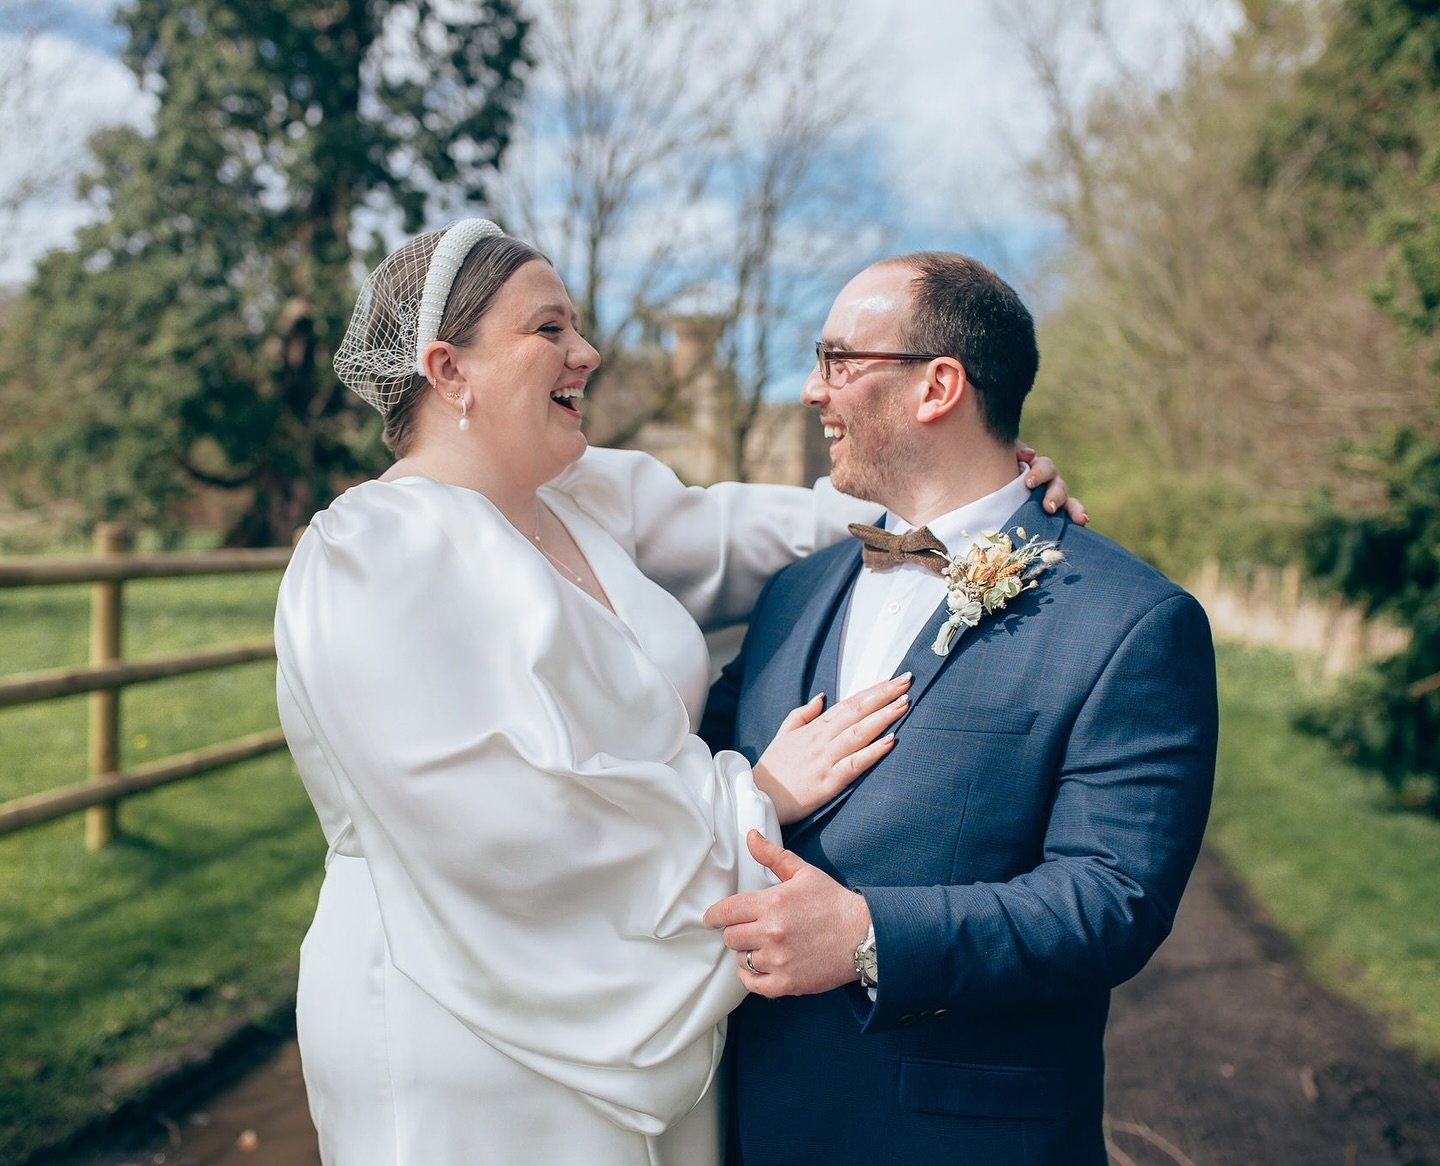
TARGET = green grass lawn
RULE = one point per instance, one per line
(1348, 877)
(120, 965)
(116, 966)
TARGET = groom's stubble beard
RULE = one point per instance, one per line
(884, 456)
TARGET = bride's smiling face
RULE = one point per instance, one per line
(526, 369)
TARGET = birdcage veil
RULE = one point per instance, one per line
(398, 313)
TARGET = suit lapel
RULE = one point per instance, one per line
(825, 667)
(806, 661)
(921, 659)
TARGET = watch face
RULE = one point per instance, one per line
(865, 965)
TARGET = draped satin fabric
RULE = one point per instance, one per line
(507, 961)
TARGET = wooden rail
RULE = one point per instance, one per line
(1423, 687)
(105, 677)
(46, 807)
(118, 566)
(109, 673)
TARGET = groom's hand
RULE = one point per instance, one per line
(800, 936)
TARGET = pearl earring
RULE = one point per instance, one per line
(464, 409)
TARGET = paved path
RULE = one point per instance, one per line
(1220, 1054)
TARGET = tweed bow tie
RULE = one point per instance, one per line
(882, 549)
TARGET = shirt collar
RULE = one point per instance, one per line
(960, 528)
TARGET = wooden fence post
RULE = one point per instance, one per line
(1290, 579)
(101, 822)
(1209, 582)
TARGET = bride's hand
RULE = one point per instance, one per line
(816, 753)
(1043, 470)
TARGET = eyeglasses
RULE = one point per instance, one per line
(828, 357)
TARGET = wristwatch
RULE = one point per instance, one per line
(865, 964)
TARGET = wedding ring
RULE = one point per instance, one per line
(751, 968)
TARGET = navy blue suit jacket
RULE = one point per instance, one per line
(1022, 850)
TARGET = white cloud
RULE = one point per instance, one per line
(48, 109)
(959, 111)
(93, 88)
(943, 87)
(43, 228)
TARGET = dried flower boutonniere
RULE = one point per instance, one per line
(989, 573)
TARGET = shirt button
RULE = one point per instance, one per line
(893, 609)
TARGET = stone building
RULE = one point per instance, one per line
(681, 407)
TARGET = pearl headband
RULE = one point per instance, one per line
(455, 245)
(398, 312)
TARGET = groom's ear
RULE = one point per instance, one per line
(945, 387)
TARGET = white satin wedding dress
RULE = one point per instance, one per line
(507, 962)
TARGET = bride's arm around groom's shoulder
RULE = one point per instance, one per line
(712, 547)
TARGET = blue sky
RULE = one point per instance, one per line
(85, 22)
(952, 113)
(945, 119)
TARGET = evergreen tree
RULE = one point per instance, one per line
(1366, 127)
(1358, 141)
(1388, 558)
(186, 337)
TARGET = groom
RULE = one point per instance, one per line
(1023, 847)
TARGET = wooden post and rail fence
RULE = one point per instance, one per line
(1269, 608)
(109, 674)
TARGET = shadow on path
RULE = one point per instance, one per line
(1220, 1054)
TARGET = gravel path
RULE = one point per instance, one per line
(1220, 1054)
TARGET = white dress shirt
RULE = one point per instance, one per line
(888, 609)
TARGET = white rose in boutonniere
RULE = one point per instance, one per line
(989, 573)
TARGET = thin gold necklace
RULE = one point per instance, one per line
(570, 572)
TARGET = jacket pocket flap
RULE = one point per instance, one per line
(1005, 719)
(981, 1090)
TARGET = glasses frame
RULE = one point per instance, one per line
(825, 357)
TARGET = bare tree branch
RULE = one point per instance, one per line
(670, 169)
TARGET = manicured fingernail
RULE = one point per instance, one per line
(1049, 508)
(906, 676)
(1030, 481)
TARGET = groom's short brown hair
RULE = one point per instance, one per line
(963, 309)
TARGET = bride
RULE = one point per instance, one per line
(489, 672)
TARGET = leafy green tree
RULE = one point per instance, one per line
(1361, 127)
(1196, 322)
(185, 339)
(1366, 127)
